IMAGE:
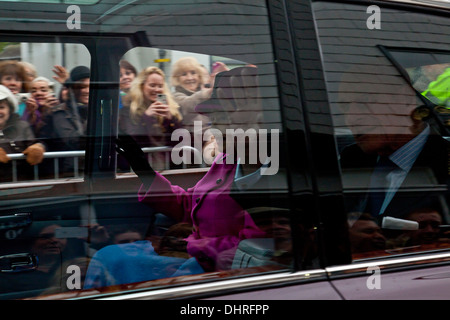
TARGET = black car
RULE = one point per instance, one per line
(225, 150)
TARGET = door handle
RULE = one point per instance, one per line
(19, 262)
(16, 220)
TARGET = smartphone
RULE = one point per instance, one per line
(162, 98)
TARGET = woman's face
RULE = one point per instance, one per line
(189, 79)
(12, 82)
(126, 77)
(4, 113)
(153, 85)
(39, 91)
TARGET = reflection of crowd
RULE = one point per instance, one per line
(212, 222)
(38, 118)
(149, 108)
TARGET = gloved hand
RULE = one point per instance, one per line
(3, 156)
(130, 150)
(34, 153)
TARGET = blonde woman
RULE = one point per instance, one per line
(187, 80)
(151, 119)
(190, 89)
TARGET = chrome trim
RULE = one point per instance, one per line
(390, 263)
(442, 4)
(218, 286)
(230, 285)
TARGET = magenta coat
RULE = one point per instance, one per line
(219, 222)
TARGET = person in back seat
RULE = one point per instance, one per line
(396, 146)
(215, 205)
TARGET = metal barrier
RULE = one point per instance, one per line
(76, 155)
(168, 150)
(55, 155)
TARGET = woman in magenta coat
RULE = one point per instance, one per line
(219, 221)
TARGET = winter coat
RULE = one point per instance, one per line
(219, 221)
(149, 132)
(15, 138)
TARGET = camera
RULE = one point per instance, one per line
(22, 97)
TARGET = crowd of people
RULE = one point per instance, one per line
(150, 109)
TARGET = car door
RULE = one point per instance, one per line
(385, 73)
(157, 35)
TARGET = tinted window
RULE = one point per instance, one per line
(196, 117)
(389, 113)
(37, 77)
(215, 202)
(43, 168)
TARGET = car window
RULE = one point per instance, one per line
(42, 167)
(39, 138)
(388, 102)
(184, 177)
(208, 131)
(428, 73)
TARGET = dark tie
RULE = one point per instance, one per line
(378, 185)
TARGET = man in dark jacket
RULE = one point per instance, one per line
(398, 156)
(65, 128)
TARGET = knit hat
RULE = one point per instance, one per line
(78, 73)
(5, 93)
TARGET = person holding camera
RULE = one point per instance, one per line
(152, 115)
(42, 99)
(217, 204)
(16, 136)
(66, 123)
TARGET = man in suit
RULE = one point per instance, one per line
(400, 157)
